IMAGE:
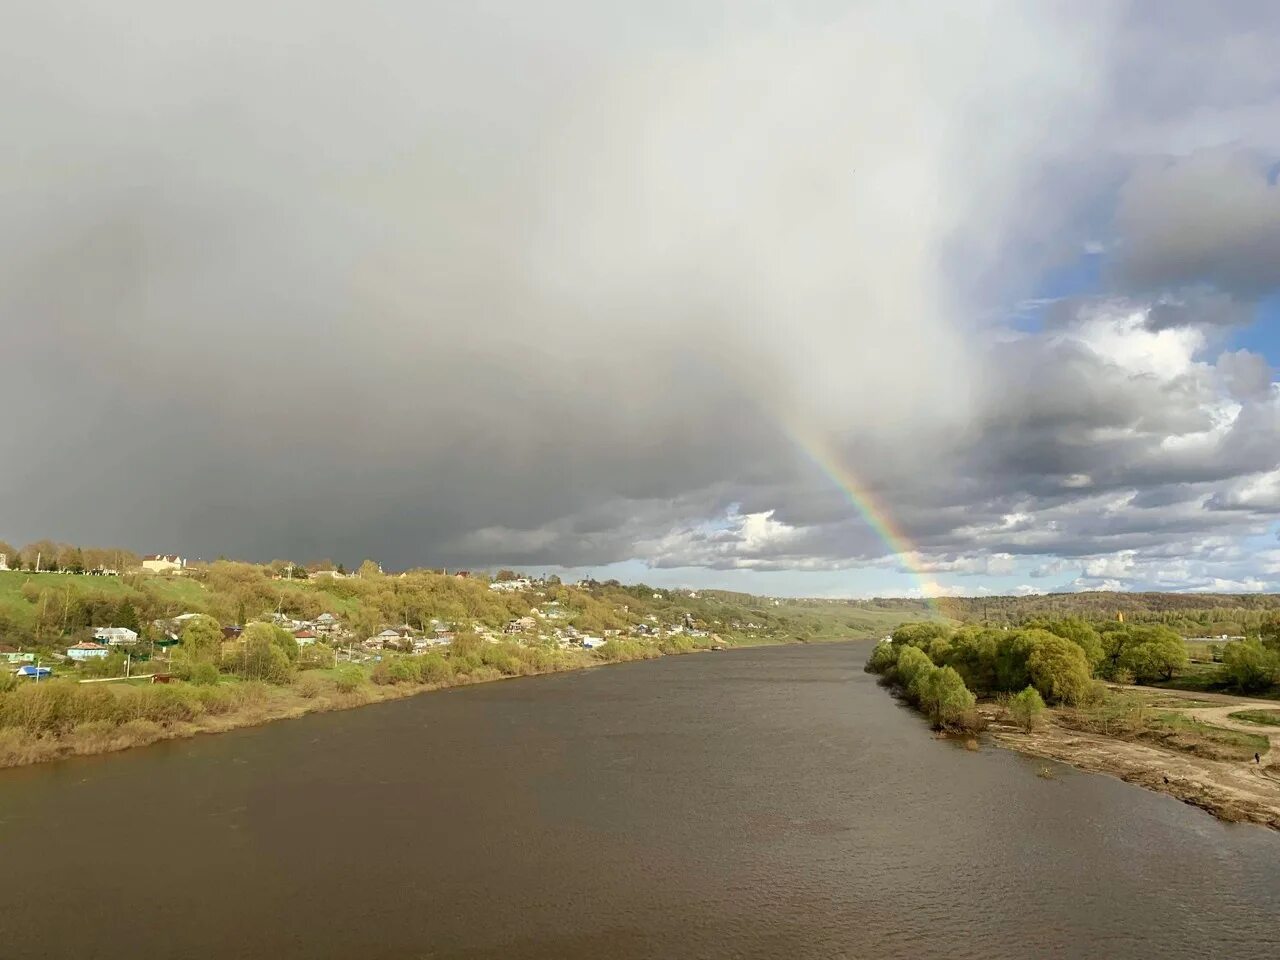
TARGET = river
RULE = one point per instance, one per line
(768, 802)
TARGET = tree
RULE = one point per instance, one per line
(341, 569)
(944, 697)
(912, 665)
(1025, 708)
(369, 569)
(1153, 652)
(75, 561)
(1269, 632)
(261, 655)
(920, 634)
(202, 638)
(1082, 635)
(1059, 669)
(127, 616)
(1250, 666)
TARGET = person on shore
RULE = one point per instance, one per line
(1257, 758)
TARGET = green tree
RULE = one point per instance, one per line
(1151, 653)
(1269, 632)
(944, 697)
(1082, 634)
(1026, 708)
(912, 664)
(261, 655)
(202, 638)
(127, 616)
(920, 634)
(1250, 666)
(1059, 669)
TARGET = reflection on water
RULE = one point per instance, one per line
(757, 803)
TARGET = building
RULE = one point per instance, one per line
(115, 635)
(305, 638)
(520, 583)
(163, 563)
(87, 650)
(4, 562)
(326, 623)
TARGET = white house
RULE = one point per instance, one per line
(522, 583)
(4, 562)
(305, 638)
(163, 563)
(592, 642)
(87, 650)
(115, 635)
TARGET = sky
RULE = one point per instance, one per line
(824, 299)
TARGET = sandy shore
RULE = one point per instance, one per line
(1235, 791)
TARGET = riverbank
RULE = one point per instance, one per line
(1235, 790)
(187, 710)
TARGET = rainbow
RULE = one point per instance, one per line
(870, 507)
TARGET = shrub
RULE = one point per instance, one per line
(203, 673)
(617, 650)
(310, 686)
(883, 658)
(348, 679)
(434, 668)
(393, 671)
(1026, 708)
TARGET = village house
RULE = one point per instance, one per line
(87, 650)
(163, 563)
(305, 638)
(326, 623)
(115, 636)
(510, 586)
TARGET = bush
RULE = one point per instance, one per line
(383, 675)
(348, 679)
(203, 673)
(310, 686)
(434, 668)
(883, 658)
(617, 650)
(1026, 708)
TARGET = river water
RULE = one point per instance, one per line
(756, 803)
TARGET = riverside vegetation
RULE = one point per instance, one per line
(1071, 690)
(219, 681)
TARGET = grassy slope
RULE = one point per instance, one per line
(12, 581)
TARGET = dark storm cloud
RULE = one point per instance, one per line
(1211, 218)
(442, 284)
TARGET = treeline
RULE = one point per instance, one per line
(1057, 659)
(1061, 660)
(1190, 614)
(49, 555)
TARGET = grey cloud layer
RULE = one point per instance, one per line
(564, 286)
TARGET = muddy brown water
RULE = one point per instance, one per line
(754, 803)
